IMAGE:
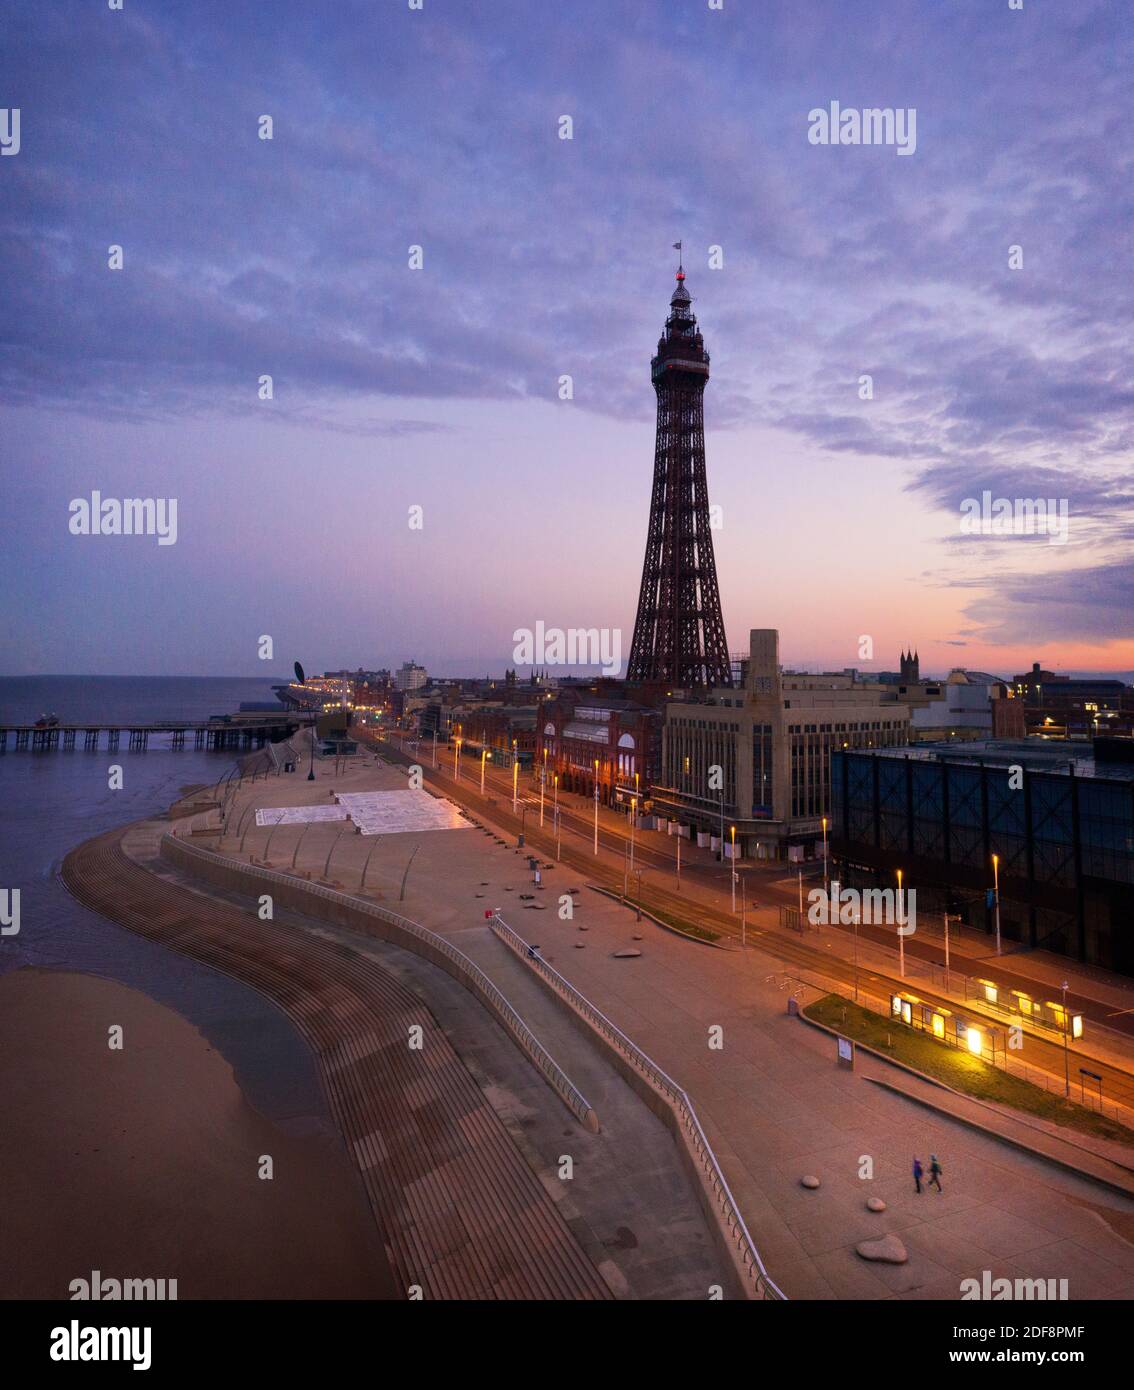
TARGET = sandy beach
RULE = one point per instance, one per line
(143, 1162)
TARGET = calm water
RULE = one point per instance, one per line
(49, 802)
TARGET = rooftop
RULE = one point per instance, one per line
(1079, 757)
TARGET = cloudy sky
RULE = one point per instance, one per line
(542, 257)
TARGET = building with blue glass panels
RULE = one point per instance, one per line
(1059, 817)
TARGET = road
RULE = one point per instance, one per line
(705, 899)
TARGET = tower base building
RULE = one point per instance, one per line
(758, 756)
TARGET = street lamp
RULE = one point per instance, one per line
(826, 883)
(483, 759)
(542, 784)
(457, 759)
(743, 907)
(732, 869)
(596, 805)
(1066, 1057)
(996, 896)
(515, 776)
(633, 809)
(901, 934)
(854, 923)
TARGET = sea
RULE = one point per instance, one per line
(51, 801)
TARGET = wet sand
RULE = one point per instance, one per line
(143, 1163)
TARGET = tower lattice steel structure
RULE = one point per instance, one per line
(679, 635)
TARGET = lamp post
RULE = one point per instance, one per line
(996, 896)
(457, 759)
(633, 811)
(722, 825)
(542, 784)
(732, 869)
(855, 925)
(1066, 1055)
(679, 859)
(901, 936)
(483, 758)
(596, 805)
(826, 881)
(947, 950)
(515, 776)
(743, 920)
(555, 786)
(558, 833)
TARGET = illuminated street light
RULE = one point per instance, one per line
(996, 896)
(826, 881)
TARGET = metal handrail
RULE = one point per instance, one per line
(554, 1073)
(750, 1256)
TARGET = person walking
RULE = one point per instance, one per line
(917, 1172)
(934, 1172)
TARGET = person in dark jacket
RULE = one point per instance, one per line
(934, 1172)
(917, 1172)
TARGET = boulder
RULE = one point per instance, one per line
(809, 1180)
(875, 1204)
(626, 953)
(889, 1250)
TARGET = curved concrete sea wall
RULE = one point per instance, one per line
(331, 906)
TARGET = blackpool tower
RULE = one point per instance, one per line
(679, 636)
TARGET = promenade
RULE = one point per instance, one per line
(1101, 1063)
(772, 1100)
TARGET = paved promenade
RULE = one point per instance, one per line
(772, 1100)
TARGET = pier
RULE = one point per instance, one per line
(232, 731)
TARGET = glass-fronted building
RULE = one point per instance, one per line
(1059, 819)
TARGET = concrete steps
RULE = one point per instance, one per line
(462, 1214)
